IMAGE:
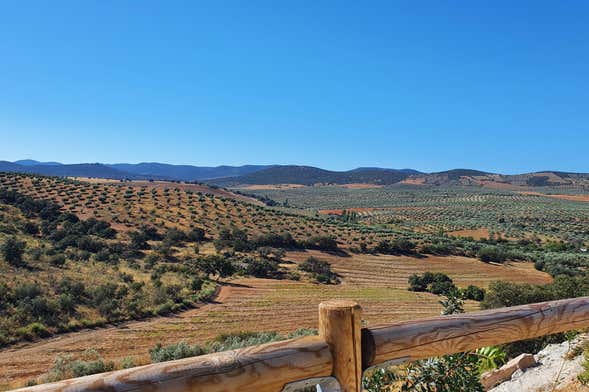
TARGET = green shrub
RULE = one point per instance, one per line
(86, 368)
(32, 331)
(320, 269)
(489, 254)
(12, 251)
(242, 339)
(434, 282)
(473, 293)
(175, 351)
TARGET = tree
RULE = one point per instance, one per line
(196, 235)
(216, 265)
(12, 251)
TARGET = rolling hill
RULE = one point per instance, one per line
(308, 175)
(97, 170)
(119, 171)
(186, 172)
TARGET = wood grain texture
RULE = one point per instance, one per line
(408, 341)
(264, 368)
(339, 325)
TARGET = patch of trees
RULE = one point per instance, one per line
(320, 270)
(399, 246)
(264, 199)
(441, 284)
(64, 230)
(239, 241)
(570, 264)
(324, 243)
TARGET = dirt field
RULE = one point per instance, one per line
(477, 234)
(583, 198)
(377, 282)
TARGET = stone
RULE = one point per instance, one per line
(504, 373)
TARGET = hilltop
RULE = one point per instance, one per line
(308, 175)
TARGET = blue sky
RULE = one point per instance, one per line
(431, 85)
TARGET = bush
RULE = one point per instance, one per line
(65, 366)
(324, 243)
(262, 268)
(196, 235)
(492, 254)
(216, 265)
(473, 293)
(57, 260)
(84, 368)
(32, 331)
(398, 246)
(175, 351)
(320, 269)
(433, 282)
(237, 340)
(12, 252)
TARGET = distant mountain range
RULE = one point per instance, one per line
(235, 176)
(120, 171)
(186, 172)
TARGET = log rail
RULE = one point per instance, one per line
(342, 350)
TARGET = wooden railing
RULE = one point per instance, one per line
(342, 350)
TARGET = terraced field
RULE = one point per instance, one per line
(377, 282)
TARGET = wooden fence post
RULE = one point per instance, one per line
(339, 325)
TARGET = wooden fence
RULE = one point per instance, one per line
(342, 350)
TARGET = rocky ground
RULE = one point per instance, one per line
(555, 371)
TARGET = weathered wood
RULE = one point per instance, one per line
(413, 340)
(339, 325)
(264, 368)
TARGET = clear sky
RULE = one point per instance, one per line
(430, 85)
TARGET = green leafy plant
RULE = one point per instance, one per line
(490, 358)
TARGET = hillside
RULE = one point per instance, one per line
(307, 175)
(469, 177)
(127, 171)
(95, 170)
(186, 172)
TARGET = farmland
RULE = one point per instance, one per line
(431, 209)
(120, 266)
(377, 282)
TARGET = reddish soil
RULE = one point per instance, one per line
(583, 198)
